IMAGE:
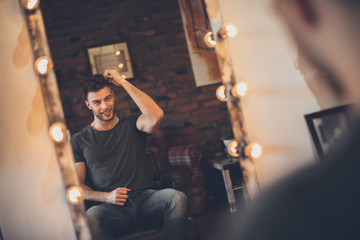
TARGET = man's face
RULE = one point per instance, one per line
(102, 104)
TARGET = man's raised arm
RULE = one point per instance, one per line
(152, 115)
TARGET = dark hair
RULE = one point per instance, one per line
(94, 83)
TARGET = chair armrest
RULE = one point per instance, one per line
(185, 155)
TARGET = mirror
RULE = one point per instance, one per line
(157, 45)
(154, 35)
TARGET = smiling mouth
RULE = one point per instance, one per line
(107, 113)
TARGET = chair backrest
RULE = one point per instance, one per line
(153, 165)
(157, 144)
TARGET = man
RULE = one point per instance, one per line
(322, 201)
(111, 153)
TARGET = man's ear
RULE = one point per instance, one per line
(88, 104)
(305, 11)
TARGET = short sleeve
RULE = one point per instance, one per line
(78, 155)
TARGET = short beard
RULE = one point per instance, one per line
(98, 116)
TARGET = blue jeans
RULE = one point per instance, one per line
(167, 207)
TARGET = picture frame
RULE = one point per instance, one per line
(327, 127)
(112, 56)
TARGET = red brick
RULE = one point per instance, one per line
(179, 101)
(75, 92)
(78, 107)
(179, 117)
(195, 137)
(188, 107)
(156, 91)
(202, 112)
(203, 96)
(196, 121)
(216, 117)
(214, 102)
(122, 105)
(145, 33)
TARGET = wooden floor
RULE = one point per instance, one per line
(217, 220)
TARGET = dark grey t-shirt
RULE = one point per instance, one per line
(114, 158)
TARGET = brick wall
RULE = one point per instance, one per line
(154, 33)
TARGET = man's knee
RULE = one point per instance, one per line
(94, 214)
(177, 199)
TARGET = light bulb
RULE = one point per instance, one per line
(75, 195)
(239, 89)
(30, 4)
(117, 53)
(221, 93)
(43, 65)
(253, 150)
(57, 132)
(233, 148)
(209, 41)
(228, 30)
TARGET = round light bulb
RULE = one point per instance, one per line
(239, 89)
(209, 41)
(117, 53)
(228, 30)
(253, 150)
(221, 93)
(30, 4)
(75, 195)
(57, 132)
(43, 65)
(233, 148)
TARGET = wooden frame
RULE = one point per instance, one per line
(112, 56)
(327, 127)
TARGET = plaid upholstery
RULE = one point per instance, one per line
(182, 163)
(184, 155)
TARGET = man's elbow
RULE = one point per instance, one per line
(156, 121)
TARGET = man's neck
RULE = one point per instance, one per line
(99, 125)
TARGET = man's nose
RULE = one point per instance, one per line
(104, 105)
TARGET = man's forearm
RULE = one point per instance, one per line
(92, 195)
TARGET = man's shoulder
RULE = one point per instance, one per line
(81, 134)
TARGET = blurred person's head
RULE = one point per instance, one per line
(328, 33)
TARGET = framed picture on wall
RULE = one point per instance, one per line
(112, 56)
(327, 127)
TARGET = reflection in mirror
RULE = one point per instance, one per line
(157, 45)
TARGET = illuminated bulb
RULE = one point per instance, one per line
(209, 41)
(43, 65)
(123, 76)
(30, 4)
(239, 89)
(117, 53)
(233, 148)
(57, 132)
(221, 93)
(121, 65)
(228, 31)
(253, 150)
(75, 195)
